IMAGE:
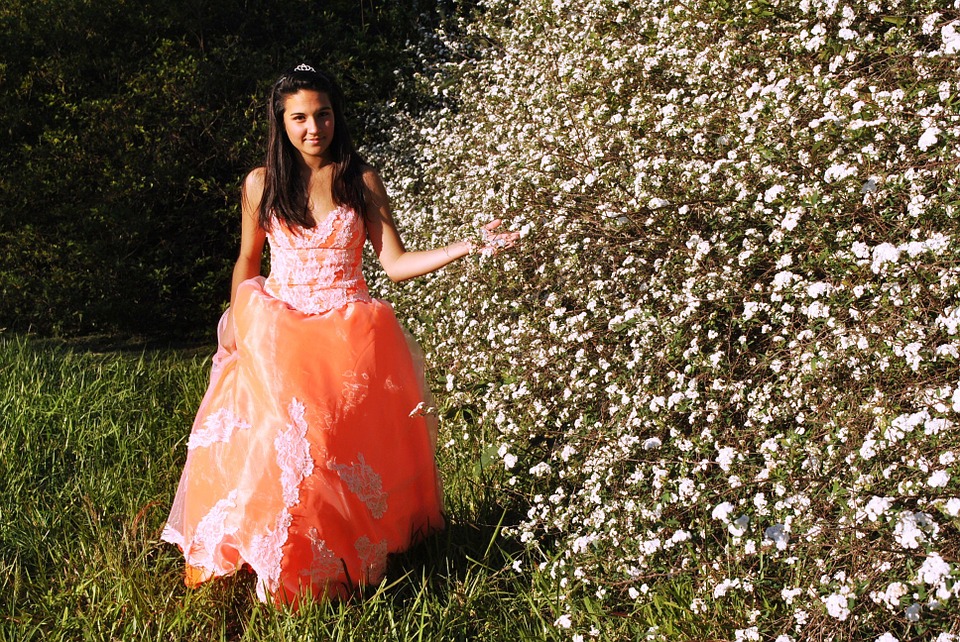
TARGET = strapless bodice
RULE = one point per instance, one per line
(318, 269)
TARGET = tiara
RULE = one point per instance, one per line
(303, 67)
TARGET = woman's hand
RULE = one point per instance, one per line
(491, 242)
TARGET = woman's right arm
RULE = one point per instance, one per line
(252, 238)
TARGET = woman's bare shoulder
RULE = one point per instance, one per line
(368, 171)
(371, 179)
(254, 179)
(252, 188)
(253, 183)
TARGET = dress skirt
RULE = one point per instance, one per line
(311, 457)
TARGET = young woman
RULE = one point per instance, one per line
(310, 458)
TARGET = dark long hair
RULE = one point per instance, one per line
(284, 188)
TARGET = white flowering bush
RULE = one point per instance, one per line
(723, 362)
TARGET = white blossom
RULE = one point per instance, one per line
(912, 527)
(652, 443)
(938, 479)
(951, 37)
(934, 570)
(725, 457)
(952, 507)
(749, 634)
(838, 172)
(772, 193)
(891, 595)
(837, 606)
(875, 508)
(882, 254)
(929, 138)
(722, 511)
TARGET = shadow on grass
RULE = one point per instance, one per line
(116, 344)
(449, 556)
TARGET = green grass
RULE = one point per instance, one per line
(91, 446)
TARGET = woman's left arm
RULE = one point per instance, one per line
(400, 264)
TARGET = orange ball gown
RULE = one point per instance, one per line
(310, 458)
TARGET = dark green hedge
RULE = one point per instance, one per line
(125, 129)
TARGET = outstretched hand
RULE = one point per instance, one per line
(495, 242)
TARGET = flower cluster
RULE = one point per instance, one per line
(725, 354)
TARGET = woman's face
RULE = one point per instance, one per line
(308, 121)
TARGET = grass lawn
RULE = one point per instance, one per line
(91, 446)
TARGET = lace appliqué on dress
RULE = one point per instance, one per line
(172, 535)
(293, 454)
(320, 233)
(313, 281)
(373, 558)
(326, 566)
(266, 553)
(210, 532)
(391, 385)
(365, 483)
(355, 387)
(318, 300)
(295, 463)
(218, 426)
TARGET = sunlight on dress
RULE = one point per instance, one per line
(309, 460)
